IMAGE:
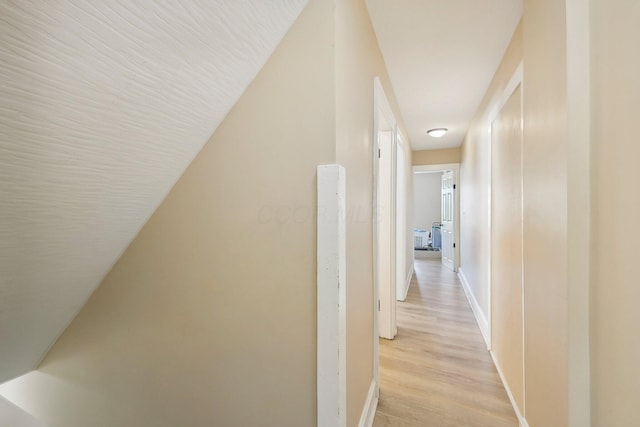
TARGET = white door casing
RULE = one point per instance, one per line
(385, 128)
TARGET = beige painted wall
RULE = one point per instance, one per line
(540, 42)
(474, 179)
(209, 317)
(545, 154)
(427, 199)
(437, 157)
(615, 317)
(358, 61)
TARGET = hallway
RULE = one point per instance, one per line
(437, 371)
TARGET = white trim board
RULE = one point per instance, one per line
(370, 406)
(509, 89)
(332, 297)
(436, 168)
(480, 317)
(407, 283)
(521, 419)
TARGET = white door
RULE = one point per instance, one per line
(507, 338)
(448, 206)
(386, 243)
(401, 221)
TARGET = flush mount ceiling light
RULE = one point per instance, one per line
(437, 132)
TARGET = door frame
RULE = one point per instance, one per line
(401, 215)
(382, 108)
(515, 81)
(455, 167)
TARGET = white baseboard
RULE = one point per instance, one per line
(481, 319)
(407, 283)
(521, 419)
(370, 406)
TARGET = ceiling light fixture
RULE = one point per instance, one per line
(437, 132)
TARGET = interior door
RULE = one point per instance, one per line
(448, 202)
(506, 244)
(386, 239)
(401, 221)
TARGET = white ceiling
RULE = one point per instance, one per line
(103, 105)
(441, 56)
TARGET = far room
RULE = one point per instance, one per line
(427, 214)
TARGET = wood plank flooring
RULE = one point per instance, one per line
(437, 371)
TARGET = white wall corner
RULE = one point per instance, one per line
(370, 406)
(481, 318)
(331, 293)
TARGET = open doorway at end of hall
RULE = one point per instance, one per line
(435, 213)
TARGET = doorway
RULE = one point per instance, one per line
(404, 263)
(506, 238)
(427, 215)
(436, 215)
(392, 255)
(385, 169)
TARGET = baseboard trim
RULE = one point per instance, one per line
(407, 283)
(481, 319)
(370, 406)
(521, 419)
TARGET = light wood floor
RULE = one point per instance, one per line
(437, 371)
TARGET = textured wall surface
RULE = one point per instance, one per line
(102, 107)
(209, 316)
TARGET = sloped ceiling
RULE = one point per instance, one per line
(103, 105)
(441, 56)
